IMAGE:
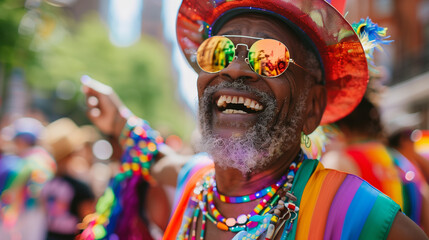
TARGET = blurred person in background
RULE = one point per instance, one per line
(359, 146)
(403, 140)
(25, 169)
(67, 200)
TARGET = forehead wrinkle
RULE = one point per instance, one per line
(231, 32)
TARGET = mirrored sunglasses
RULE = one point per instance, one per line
(266, 57)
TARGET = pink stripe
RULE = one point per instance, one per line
(339, 207)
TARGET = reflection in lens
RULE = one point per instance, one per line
(269, 57)
(215, 54)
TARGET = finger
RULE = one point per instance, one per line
(92, 101)
(94, 112)
(95, 85)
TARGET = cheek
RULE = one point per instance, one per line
(282, 90)
(203, 81)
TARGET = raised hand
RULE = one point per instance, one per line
(105, 109)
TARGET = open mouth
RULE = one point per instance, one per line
(229, 104)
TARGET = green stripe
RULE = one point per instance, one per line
(302, 176)
(380, 218)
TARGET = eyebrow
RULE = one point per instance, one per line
(263, 35)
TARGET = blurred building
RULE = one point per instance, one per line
(150, 18)
(151, 22)
(405, 62)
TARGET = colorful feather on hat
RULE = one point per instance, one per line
(372, 37)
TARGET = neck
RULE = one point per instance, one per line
(232, 182)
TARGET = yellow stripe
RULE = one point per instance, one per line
(308, 202)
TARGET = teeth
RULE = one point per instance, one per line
(249, 103)
(232, 111)
(257, 106)
(221, 102)
(241, 100)
(228, 99)
(252, 104)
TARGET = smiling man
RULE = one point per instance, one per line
(269, 73)
(248, 116)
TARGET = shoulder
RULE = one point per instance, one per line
(335, 205)
(404, 228)
(195, 164)
(191, 173)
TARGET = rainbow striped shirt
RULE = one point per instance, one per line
(333, 204)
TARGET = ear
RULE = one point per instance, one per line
(316, 103)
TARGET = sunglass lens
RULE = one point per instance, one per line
(269, 57)
(215, 54)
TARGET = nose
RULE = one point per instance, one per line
(239, 69)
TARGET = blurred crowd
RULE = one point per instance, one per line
(50, 177)
(53, 173)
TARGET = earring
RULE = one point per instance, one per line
(305, 140)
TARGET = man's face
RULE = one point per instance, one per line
(265, 116)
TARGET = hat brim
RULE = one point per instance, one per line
(341, 52)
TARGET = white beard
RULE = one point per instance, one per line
(257, 148)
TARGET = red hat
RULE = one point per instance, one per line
(341, 52)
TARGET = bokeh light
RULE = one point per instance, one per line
(102, 149)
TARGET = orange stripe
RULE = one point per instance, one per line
(308, 202)
(176, 220)
(321, 211)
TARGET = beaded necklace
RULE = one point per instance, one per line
(270, 190)
(275, 208)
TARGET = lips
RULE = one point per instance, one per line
(231, 104)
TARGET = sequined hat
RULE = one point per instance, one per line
(341, 52)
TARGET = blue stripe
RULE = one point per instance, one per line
(414, 201)
(358, 211)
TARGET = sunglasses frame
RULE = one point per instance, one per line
(247, 49)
